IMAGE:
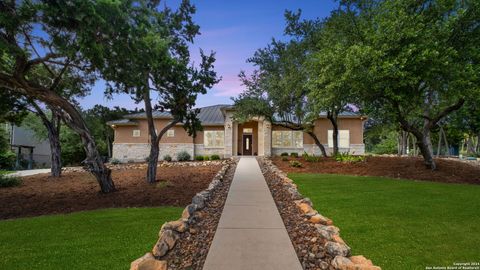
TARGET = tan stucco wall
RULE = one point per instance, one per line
(355, 125)
(124, 134)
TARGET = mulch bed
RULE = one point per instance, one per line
(306, 239)
(77, 191)
(191, 249)
(449, 171)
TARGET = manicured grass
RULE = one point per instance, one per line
(101, 239)
(2, 172)
(400, 224)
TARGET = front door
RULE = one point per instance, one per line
(247, 145)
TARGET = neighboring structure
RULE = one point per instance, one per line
(223, 136)
(26, 146)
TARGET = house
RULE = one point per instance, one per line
(224, 136)
(30, 151)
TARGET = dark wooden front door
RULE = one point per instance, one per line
(247, 145)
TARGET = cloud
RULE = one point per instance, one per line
(229, 86)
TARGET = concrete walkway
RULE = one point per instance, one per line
(29, 172)
(251, 234)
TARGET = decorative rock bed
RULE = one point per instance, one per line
(184, 243)
(316, 240)
(130, 166)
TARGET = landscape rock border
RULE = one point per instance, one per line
(333, 246)
(172, 231)
(162, 164)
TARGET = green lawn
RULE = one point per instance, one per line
(101, 239)
(400, 224)
(2, 172)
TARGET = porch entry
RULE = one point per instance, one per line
(247, 144)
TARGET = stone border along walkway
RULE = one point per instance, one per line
(184, 231)
(316, 240)
(251, 234)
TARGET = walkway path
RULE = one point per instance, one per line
(29, 172)
(251, 234)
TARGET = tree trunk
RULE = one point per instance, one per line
(332, 116)
(317, 142)
(55, 148)
(154, 138)
(74, 120)
(152, 163)
(53, 131)
(425, 145)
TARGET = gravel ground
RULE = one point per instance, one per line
(191, 249)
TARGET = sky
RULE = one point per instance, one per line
(234, 30)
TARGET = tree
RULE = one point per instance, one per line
(330, 91)
(62, 37)
(417, 61)
(158, 51)
(97, 118)
(277, 91)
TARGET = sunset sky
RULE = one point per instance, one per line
(234, 30)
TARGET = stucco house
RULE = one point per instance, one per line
(224, 136)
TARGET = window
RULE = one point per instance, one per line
(136, 133)
(213, 138)
(248, 130)
(343, 138)
(287, 139)
(170, 133)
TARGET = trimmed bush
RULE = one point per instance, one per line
(311, 158)
(294, 154)
(284, 154)
(167, 158)
(183, 156)
(115, 161)
(206, 158)
(296, 164)
(9, 181)
(199, 158)
(7, 160)
(215, 157)
(284, 158)
(346, 157)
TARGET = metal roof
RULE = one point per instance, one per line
(211, 115)
(124, 122)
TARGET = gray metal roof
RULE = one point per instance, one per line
(122, 122)
(211, 115)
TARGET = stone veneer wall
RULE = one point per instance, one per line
(200, 150)
(139, 151)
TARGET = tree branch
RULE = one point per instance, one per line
(446, 111)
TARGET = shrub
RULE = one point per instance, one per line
(215, 157)
(310, 158)
(167, 158)
(346, 157)
(284, 154)
(7, 160)
(115, 161)
(296, 164)
(9, 181)
(206, 158)
(183, 156)
(199, 158)
(131, 161)
(294, 154)
(284, 158)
